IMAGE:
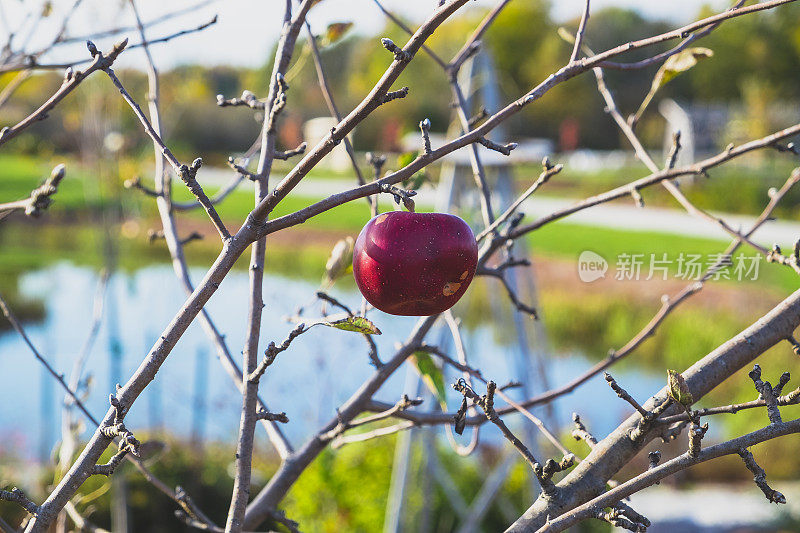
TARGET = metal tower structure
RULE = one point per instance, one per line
(525, 360)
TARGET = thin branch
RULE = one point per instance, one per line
(581, 433)
(188, 174)
(576, 49)
(15, 495)
(433, 55)
(334, 111)
(272, 352)
(648, 478)
(548, 172)
(622, 393)
(40, 198)
(470, 46)
(760, 477)
(136, 183)
(274, 105)
(644, 156)
(70, 64)
(336, 433)
(343, 440)
(71, 80)
(766, 391)
(247, 99)
(286, 154)
(692, 37)
(486, 402)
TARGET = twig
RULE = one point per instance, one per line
(469, 46)
(136, 183)
(68, 65)
(40, 198)
(581, 433)
(760, 477)
(272, 352)
(187, 174)
(71, 81)
(408, 30)
(404, 403)
(400, 55)
(548, 172)
(334, 111)
(486, 402)
(648, 478)
(576, 49)
(274, 105)
(764, 388)
(247, 99)
(622, 393)
(241, 170)
(792, 398)
(286, 154)
(644, 156)
(425, 127)
(696, 434)
(15, 495)
(342, 440)
(263, 414)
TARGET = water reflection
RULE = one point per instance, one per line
(319, 371)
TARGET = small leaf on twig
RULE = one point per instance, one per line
(674, 65)
(678, 389)
(339, 262)
(679, 63)
(335, 32)
(358, 324)
(431, 375)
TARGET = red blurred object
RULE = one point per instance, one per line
(569, 134)
(414, 264)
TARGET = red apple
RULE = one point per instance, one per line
(414, 263)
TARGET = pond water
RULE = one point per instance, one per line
(321, 369)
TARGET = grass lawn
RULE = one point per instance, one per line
(561, 240)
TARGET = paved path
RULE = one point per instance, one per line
(617, 215)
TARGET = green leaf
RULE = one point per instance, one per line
(674, 65)
(359, 324)
(431, 375)
(339, 262)
(335, 32)
(406, 158)
(678, 389)
(679, 63)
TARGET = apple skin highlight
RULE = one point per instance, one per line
(414, 264)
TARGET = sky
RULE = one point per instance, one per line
(247, 29)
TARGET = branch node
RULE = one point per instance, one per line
(399, 53)
(504, 149)
(263, 414)
(15, 495)
(760, 477)
(394, 95)
(400, 195)
(425, 127)
(286, 154)
(766, 391)
(581, 433)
